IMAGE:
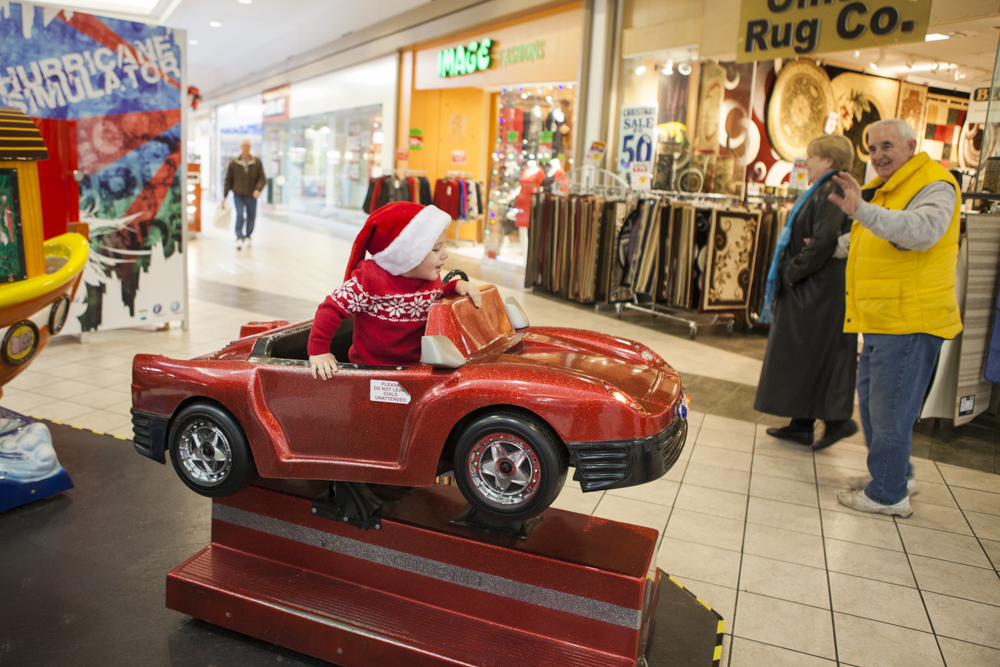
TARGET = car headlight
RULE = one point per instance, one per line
(623, 398)
(647, 354)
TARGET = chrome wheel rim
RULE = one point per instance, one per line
(504, 469)
(205, 453)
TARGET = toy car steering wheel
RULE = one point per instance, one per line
(451, 274)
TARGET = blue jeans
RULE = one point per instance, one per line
(893, 374)
(249, 205)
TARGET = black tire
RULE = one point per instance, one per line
(209, 451)
(533, 465)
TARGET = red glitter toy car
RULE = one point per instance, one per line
(507, 407)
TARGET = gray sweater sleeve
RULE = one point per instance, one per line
(920, 225)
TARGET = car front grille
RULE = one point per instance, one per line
(601, 467)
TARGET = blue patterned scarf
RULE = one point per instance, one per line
(771, 286)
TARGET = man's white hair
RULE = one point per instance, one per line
(906, 132)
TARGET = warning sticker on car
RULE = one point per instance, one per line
(387, 391)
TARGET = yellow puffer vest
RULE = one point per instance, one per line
(892, 291)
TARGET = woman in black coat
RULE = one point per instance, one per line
(810, 364)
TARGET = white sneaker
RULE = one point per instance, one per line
(861, 483)
(248, 241)
(239, 244)
(857, 500)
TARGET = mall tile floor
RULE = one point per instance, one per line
(750, 524)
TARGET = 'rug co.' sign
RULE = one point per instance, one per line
(794, 28)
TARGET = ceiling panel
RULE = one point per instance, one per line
(266, 32)
(962, 61)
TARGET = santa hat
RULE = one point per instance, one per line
(399, 236)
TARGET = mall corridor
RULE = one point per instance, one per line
(740, 186)
(750, 524)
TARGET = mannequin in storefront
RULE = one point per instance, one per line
(531, 179)
(557, 122)
(553, 172)
(533, 127)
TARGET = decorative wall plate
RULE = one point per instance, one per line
(800, 103)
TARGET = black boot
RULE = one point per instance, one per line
(835, 431)
(800, 431)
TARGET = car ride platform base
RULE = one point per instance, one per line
(579, 591)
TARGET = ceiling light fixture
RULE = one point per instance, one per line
(640, 70)
(245, 2)
(881, 57)
(685, 67)
(910, 62)
(193, 42)
(857, 55)
(215, 24)
(936, 37)
(669, 67)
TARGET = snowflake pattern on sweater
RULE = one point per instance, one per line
(390, 315)
(413, 307)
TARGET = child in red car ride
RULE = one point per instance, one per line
(390, 294)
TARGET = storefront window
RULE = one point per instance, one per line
(321, 164)
(533, 148)
(705, 136)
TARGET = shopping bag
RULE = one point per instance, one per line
(223, 215)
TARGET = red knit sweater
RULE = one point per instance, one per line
(390, 315)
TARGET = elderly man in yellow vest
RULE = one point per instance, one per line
(903, 247)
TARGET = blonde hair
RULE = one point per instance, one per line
(835, 147)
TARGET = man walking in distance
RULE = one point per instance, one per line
(245, 177)
(900, 292)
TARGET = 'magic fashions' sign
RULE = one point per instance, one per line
(465, 59)
(794, 28)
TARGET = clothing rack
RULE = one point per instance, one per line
(398, 185)
(474, 189)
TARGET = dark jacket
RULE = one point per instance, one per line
(810, 364)
(243, 180)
